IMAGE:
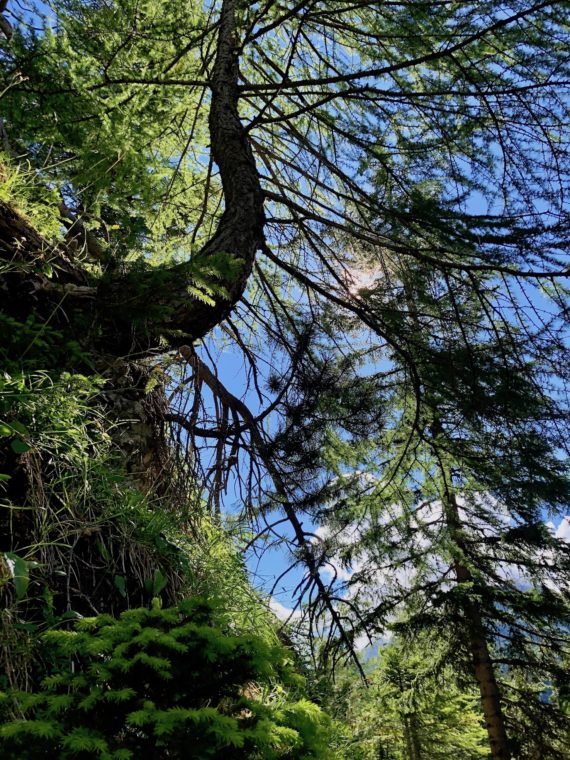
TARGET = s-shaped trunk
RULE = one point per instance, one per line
(240, 230)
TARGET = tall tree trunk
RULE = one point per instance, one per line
(239, 233)
(413, 749)
(108, 317)
(407, 737)
(480, 657)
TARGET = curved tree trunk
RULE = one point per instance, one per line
(131, 316)
(125, 317)
(117, 315)
(135, 313)
(239, 233)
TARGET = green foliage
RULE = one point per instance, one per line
(140, 295)
(188, 682)
(413, 708)
(20, 573)
(162, 683)
(24, 188)
(445, 526)
(83, 511)
(54, 416)
(118, 152)
(32, 344)
(374, 169)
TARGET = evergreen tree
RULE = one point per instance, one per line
(161, 683)
(324, 187)
(412, 708)
(452, 527)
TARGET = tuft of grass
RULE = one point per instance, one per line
(24, 188)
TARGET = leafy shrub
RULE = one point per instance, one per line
(161, 684)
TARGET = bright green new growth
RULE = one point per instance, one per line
(23, 188)
(162, 683)
(192, 679)
(120, 151)
(413, 708)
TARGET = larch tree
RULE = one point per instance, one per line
(368, 202)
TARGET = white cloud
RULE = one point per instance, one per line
(361, 278)
(380, 577)
(362, 642)
(563, 530)
(286, 614)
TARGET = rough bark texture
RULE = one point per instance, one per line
(139, 407)
(39, 281)
(109, 320)
(485, 677)
(410, 734)
(239, 233)
(121, 316)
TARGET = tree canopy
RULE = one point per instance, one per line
(366, 205)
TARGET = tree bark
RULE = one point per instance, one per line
(135, 313)
(116, 315)
(480, 657)
(410, 734)
(240, 230)
(483, 670)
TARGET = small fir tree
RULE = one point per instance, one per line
(162, 684)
